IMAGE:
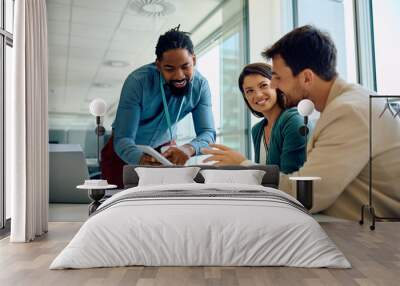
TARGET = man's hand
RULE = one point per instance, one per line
(148, 160)
(179, 155)
(222, 155)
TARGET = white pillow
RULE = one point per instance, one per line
(248, 177)
(166, 176)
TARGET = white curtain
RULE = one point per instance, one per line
(27, 124)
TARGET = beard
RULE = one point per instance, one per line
(178, 91)
(293, 99)
(290, 102)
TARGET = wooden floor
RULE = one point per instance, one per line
(375, 257)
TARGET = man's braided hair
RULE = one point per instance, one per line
(173, 39)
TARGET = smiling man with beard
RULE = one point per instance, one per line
(153, 99)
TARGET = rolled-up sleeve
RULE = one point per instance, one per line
(203, 120)
(127, 122)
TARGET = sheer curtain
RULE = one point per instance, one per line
(27, 123)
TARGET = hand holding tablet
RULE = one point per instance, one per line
(153, 153)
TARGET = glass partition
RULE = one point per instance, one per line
(9, 15)
(221, 56)
(342, 32)
(6, 59)
(386, 28)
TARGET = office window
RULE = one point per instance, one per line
(9, 13)
(6, 43)
(8, 89)
(386, 29)
(2, 110)
(341, 13)
(221, 54)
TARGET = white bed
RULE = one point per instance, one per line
(185, 230)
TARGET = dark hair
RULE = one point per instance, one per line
(306, 48)
(264, 70)
(173, 39)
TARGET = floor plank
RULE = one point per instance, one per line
(374, 255)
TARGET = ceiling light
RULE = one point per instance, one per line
(116, 64)
(152, 8)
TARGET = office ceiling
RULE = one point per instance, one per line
(95, 44)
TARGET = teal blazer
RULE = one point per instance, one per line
(286, 147)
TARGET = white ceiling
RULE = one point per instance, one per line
(83, 34)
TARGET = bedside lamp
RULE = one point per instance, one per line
(304, 185)
(98, 108)
(305, 108)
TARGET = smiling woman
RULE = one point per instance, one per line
(276, 138)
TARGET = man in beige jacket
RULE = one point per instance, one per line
(304, 66)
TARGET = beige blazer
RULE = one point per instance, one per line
(338, 152)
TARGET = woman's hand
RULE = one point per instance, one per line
(223, 155)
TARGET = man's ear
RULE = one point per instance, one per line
(308, 77)
(194, 60)
(158, 64)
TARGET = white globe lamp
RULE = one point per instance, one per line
(98, 108)
(305, 107)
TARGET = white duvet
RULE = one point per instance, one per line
(200, 231)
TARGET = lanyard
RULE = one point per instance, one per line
(166, 108)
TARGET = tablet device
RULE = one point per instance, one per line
(153, 153)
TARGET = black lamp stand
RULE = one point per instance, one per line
(304, 193)
(304, 132)
(304, 188)
(96, 195)
(100, 130)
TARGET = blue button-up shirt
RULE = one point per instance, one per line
(141, 118)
